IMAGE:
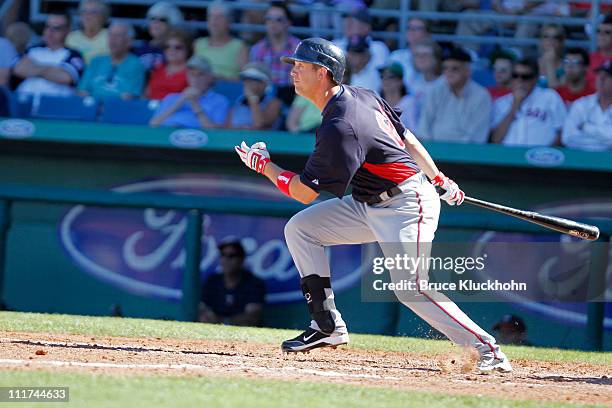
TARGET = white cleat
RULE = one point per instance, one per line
(490, 362)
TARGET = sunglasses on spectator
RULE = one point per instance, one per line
(452, 68)
(89, 11)
(389, 76)
(524, 77)
(552, 36)
(178, 47)
(160, 19)
(230, 255)
(277, 19)
(602, 31)
(55, 27)
(573, 61)
(416, 28)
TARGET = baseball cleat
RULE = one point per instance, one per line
(489, 362)
(312, 339)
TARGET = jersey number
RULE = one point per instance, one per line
(385, 124)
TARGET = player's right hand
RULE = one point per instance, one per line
(255, 157)
(452, 193)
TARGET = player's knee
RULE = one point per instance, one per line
(293, 228)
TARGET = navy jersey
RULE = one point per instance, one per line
(360, 142)
(230, 302)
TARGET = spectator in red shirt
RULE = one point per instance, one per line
(575, 83)
(171, 76)
(503, 62)
(604, 48)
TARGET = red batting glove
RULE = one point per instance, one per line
(255, 157)
(452, 193)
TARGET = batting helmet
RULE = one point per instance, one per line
(320, 52)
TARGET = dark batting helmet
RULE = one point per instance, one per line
(320, 52)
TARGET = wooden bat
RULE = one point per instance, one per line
(563, 225)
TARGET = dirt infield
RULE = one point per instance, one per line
(451, 374)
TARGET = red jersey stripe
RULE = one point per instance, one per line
(396, 172)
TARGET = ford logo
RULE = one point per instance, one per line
(16, 128)
(188, 138)
(143, 252)
(544, 157)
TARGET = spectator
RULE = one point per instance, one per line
(7, 57)
(277, 43)
(417, 30)
(575, 84)
(171, 76)
(604, 48)
(427, 64)
(530, 115)
(19, 34)
(198, 105)
(234, 296)
(456, 109)
(394, 92)
(51, 68)
(258, 108)
(363, 69)
(550, 61)
(92, 40)
(530, 8)
(303, 116)
(359, 24)
(502, 72)
(511, 329)
(226, 54)
(119, 74)
(161, 17)
(589, 122)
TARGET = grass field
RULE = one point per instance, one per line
(199, 389)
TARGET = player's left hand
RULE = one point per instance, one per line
(452, 193)
(255, 157)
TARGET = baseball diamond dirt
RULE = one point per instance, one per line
(451, 373)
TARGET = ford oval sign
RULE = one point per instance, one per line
(544, 157)
(143, 251)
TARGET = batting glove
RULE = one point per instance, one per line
(255, 157)
(452, 193)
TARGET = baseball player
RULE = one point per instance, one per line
(362, 143)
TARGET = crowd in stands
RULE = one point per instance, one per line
(552, 95)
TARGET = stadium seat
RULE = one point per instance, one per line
(483, 76)
(65, 107)
(230, 89)
(136, 112)
(20, 104)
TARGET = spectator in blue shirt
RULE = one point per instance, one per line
(117, 75)
(198, 105)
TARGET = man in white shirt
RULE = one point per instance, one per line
(589, 123)
(417, 30)
(50, 69)
(529, 116)
(359, 23)
(456, 109)
(364, 72)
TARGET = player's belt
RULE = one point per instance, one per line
(392, 192)
(385, 195)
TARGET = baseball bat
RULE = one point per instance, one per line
(563, 225)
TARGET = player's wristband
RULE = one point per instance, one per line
(438, 180)
(283, 180)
